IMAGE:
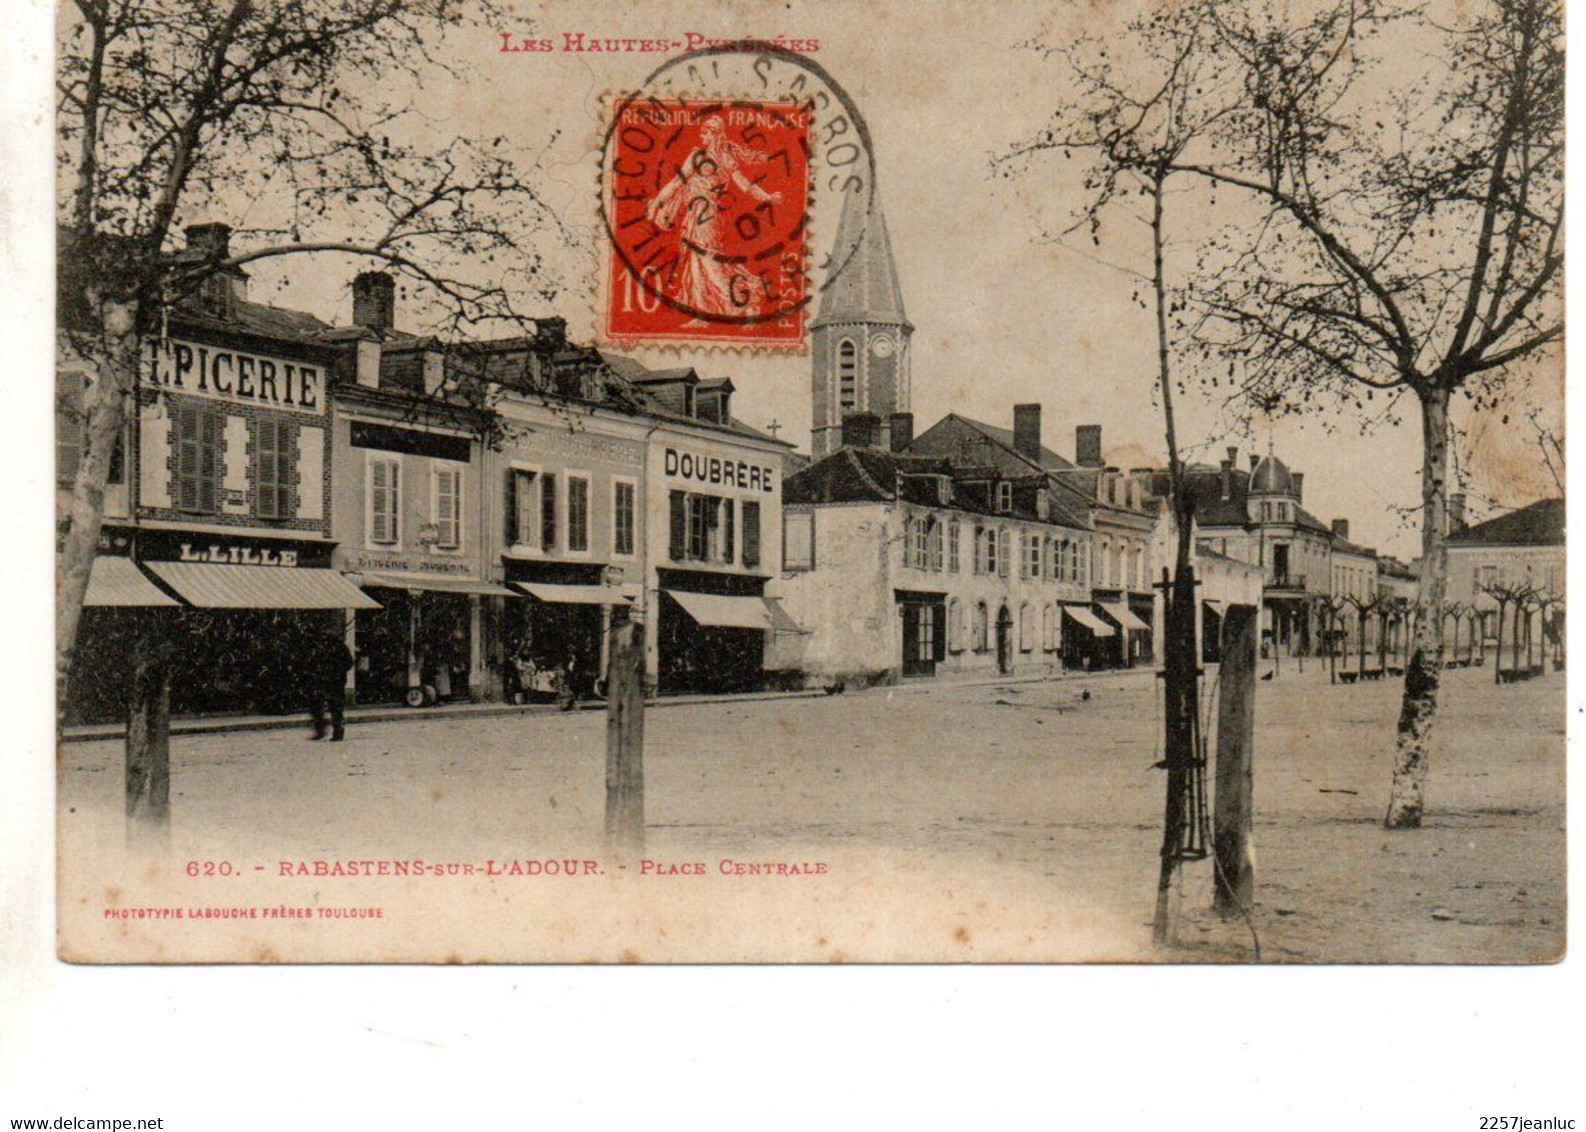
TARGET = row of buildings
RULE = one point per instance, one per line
(470, 516)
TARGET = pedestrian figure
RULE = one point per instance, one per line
(327, 673)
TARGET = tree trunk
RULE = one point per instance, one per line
(104, 407)
(148, 742)
(1424, 670)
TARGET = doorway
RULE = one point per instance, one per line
(1004, 641)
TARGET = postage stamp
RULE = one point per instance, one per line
(708, 207)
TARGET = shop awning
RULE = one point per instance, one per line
(781, 620)
(1213, 604)
(725, 612)
(573, 595)
(438, 584)
(119, 582)
(211, 586)
(1088, 619)
(1122, 614)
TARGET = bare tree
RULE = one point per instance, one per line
(303, 111)
(1410, 242)
(1133, 127)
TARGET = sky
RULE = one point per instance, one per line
(1001, 315)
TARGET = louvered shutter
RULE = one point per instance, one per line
(751, 533)
(511, 508)
(209, 451)
(729, 528)
(187, 441)
(679, 515)
(266, 468)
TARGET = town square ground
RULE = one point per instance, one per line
(925, 822)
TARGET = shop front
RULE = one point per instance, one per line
(713, 631)
(238, 615)
(427, 642)
(556, 639)
(923, 624)
(1088, 641)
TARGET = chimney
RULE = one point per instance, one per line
(1299, 486)
(213, 241)
(1027, 432)
(1341, 529)
(1233, 455)
(1228, 473)
(861, 430)
(1456, 512)
(374, 301)
(434, 372)
(902, 431)
(1087, 446)
(553, 331)
(1255, 459)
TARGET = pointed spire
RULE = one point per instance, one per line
(865, 286)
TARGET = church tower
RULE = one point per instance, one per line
(860, 338)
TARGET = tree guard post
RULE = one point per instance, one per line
(1233, 815)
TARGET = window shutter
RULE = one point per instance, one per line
(511, 508)
(266, 468)
(751, 533)
(729, 528)
(379, 489)
(679, 526)
(186, 421)
(548, 512)
(71, 427)
(209, 461)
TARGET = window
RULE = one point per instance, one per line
(1026, 628)
(447, 485)
(991, 551)
(1004, 545)
(1004, 497)
(385, 493)
(980, 627)
(798, 540)
(701, 517)
(955, 625)
(952, 547)
(577, 513)
(520, 507)
(982, 551)
(933, 544)
(1032, 556)
(751, 533)
(622, 521)
(548, 541)
(847, 376)
(198, 443)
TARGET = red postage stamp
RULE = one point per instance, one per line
(707, 208)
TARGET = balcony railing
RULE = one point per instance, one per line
(1283, 580)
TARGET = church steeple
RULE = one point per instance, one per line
(860, 338)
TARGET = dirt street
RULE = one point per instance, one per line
(952, 823)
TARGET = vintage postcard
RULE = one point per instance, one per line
(745, 482)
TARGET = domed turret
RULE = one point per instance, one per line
(1271, 477)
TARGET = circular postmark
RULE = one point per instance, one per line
(720, 174)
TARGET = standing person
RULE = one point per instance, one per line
(327, 671)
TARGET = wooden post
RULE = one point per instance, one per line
(1236, 733)
(625, 739)
(148, 739)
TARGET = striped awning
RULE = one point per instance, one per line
(117, 582)
(1125, 616)
(573, 595)
(1089, 620)
(210, 586)
(781, 620)
(722, 611)
(433, 584)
